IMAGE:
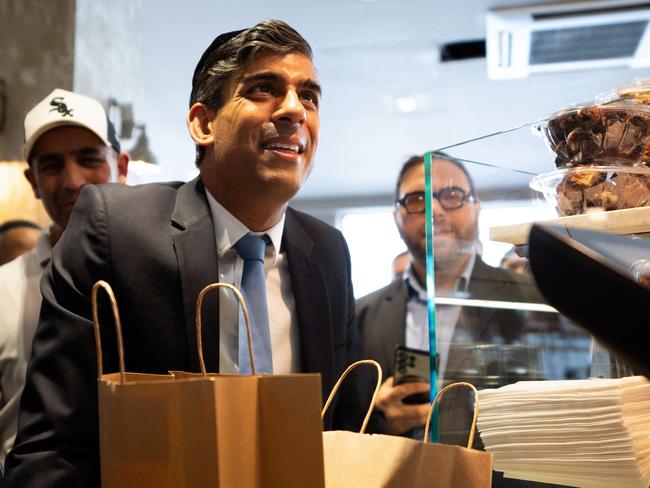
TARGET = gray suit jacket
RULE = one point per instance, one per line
(381, 315)
(155, 245)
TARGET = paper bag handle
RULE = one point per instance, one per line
(436, 400)
(374, 395)
(242, 302)
(118, 329)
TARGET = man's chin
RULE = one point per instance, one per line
(449, 257)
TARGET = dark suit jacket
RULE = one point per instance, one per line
(155, 245)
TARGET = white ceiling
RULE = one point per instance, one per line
(368, 54)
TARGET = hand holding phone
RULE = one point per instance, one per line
(411, 365)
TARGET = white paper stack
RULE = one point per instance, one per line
(587, 433)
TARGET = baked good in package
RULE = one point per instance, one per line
(602, 152)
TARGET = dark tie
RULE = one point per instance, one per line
(253, 285)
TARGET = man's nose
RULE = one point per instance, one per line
(290, 109)
(73, 176)
(437, 209)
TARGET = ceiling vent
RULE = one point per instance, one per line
(567, 36)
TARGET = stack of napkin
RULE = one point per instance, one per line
(592, 432)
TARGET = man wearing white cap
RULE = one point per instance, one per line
(69, 143)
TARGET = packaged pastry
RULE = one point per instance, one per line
(579, 189)
(615, 133)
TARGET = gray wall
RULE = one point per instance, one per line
(36, 55)
(94, 48)
(109, 51)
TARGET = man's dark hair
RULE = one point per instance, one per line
(14, 224)
(419, 159)
(234, 50)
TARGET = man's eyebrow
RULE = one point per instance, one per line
(89, 150)
(273, 76)
(312, 85)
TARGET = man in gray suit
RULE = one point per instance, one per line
(254, 116)
(397, 314)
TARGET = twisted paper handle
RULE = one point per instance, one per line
(374, 395)
(118, 329)
(242, 302)
(436, 401)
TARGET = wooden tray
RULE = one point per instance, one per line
(626, 221)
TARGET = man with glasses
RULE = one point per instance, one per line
(69, 143)
(397, 314)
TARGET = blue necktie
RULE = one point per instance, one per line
(253, 285)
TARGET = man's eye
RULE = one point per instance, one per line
(50, 166)
(89, 160)
(262, 88)
(310, 97)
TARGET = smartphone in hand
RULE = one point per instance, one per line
(411, 365)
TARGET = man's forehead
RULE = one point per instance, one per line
(267, 61)
(67, 138)
(446, 173)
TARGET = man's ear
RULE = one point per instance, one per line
(395, 215)
(198, 123)
(29, 174)
(122, 166)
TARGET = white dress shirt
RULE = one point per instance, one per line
(20, 304)
(417, 318)
(282, 323)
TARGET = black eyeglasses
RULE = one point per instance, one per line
(450, 198)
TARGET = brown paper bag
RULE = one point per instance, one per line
(384, 461)
(189, 430)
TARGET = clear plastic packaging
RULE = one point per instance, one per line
(615, 134)
(576, 190)
(637, 91)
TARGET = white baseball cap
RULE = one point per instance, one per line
(62, 107)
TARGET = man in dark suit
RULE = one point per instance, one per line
(397, 314)
(254, 116)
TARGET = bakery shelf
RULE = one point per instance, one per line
(626, 221)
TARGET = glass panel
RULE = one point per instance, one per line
(586, 167)
(489, 324)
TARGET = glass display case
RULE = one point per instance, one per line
(489, 324)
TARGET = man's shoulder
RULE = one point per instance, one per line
(311, 224)
(126, 193)
(502, 284)
(308, 232)
(124, 204)
(16, 268)
(15, 279)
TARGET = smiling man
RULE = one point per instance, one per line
(69, 143)
(397, 314)
(254, 117)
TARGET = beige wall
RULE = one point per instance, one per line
(17, 200)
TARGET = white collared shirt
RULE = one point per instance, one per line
(417, 319)
(20, 304)
(282, 322)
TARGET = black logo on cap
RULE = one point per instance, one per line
(60, 107)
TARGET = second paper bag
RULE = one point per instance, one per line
(385, 461)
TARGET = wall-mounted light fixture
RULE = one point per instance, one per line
(141, 150)
(121, 114)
